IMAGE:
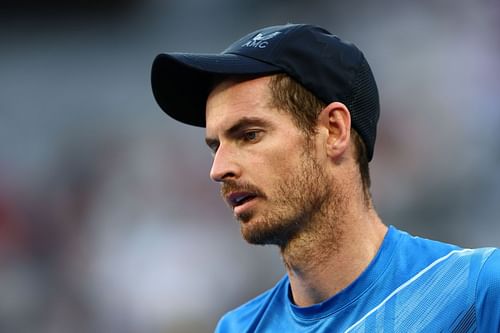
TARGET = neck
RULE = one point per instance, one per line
(331, 252)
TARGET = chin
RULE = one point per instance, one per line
(261, 232)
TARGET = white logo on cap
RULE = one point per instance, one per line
(261, 41)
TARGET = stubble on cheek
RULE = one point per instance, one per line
(290, 207)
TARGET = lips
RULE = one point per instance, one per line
(242, 197)
(236, 199)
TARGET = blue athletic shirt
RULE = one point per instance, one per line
(412, 285)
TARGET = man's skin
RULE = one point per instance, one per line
(301, 193)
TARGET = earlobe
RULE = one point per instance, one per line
(336, 119)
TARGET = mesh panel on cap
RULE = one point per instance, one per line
(364, 106)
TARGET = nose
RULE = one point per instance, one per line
(224, 165)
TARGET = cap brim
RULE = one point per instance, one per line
(181, 82)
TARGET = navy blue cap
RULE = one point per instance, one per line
(332, 69)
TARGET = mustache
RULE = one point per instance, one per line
(229, 186)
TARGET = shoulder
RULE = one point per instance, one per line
(490, 270)
(239, 318)
(414, 253)
(242, 318)
(420, 245)
(487, 261)
(488, 291)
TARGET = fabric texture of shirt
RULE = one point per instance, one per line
(412, 285)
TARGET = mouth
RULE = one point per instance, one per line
(237, 199)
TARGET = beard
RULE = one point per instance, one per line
(300, 198)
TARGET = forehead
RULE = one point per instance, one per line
(233, 99)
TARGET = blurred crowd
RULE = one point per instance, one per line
(108, 221)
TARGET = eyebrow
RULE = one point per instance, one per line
(236, 128)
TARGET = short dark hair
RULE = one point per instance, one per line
(290, 96)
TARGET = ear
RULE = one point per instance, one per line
(336, 120)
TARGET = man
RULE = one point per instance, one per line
(290, 115)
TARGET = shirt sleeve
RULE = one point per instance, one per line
(488, 294)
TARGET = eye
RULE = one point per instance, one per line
(213, 150)
(251, 135)
(213, 146)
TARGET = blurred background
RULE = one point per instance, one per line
(108, 221)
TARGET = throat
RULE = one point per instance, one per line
(314, 280)
(303, 257)
(313, 247)
(319, 268)
(315, 261)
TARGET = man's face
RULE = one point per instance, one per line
(268, 169)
